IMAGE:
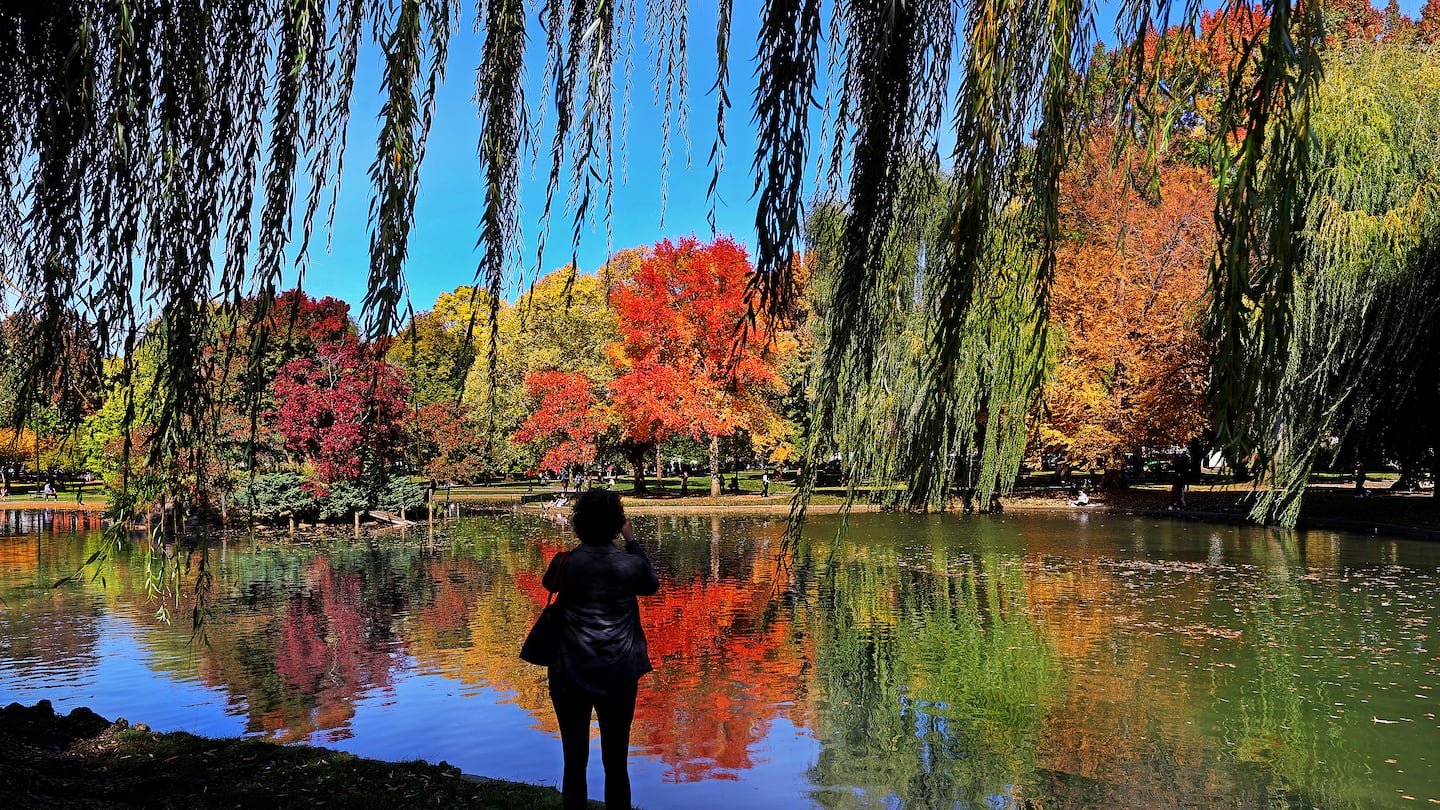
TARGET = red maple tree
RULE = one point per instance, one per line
(448, 442)
(340, 409)
(296, 323)
(569, 419)
(682, 368)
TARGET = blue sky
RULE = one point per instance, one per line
(448, 208)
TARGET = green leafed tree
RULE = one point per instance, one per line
(437, 347)
(1363, 319)
(976, 425)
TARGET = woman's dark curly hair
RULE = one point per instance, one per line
(598, 516)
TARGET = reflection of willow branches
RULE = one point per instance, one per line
(164, 566)
(1280, 720)
(936, 683)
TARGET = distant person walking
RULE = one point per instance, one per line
(602, 651)
(684, 482)
(1182, 480)
(765, 485)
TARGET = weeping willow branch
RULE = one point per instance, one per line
(789, 41)
(405, 123)
(1260, 216)
(1357, 323)
(500, 95)
(724, 12)
(157, 156)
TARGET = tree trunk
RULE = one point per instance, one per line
(637, 460)
(659, 469)
(715, 483)
(714, 548)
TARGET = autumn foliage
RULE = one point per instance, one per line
(569, 418)
(679, 365)
(1128, 295)
(683, 367)
(448, 440)
(339, 409)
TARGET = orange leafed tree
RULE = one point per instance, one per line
(681, 367)
(1427, 28)
(1128, 297)
(568, 421)
(1193, 75)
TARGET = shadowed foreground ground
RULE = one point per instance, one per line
(83, 760)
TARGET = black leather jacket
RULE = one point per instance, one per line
(601, 641)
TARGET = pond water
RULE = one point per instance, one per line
(914, 661)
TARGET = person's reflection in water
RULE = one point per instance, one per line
(602, 645)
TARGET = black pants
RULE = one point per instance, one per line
(615, 711)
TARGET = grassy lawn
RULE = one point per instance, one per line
(668, 487)
(27, 496)
(83, 760)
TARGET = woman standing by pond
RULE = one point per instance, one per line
(602, 645)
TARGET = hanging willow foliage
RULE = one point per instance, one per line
(1365, 311)
(157, 155)
(1002, 356)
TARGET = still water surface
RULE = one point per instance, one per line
(916, 661)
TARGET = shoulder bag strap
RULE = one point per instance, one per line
(564, 561)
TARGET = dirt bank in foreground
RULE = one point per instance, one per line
(83, 760)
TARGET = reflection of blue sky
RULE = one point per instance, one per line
(122, 680)
(777, 777)
(434, 718)
(483, 732)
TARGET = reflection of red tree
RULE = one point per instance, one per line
(723, 672)
(453, 596)
(722, 676)
(335, 642)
